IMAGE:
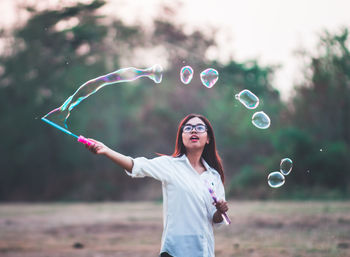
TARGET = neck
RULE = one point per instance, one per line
(194, 157)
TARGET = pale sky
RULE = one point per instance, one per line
(266, 30)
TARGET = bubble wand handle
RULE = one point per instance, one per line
(85, 141)
(224, 215)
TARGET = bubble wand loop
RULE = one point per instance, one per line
(80, 139)
(224, 215)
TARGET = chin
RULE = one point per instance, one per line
(195, 147)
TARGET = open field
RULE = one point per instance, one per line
(271, 229)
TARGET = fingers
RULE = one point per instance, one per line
(94, 147)
(222, 206)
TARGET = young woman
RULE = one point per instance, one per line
(188, 209)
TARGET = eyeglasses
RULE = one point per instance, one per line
(200, 128)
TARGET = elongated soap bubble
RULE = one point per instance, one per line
(275, 179)
(61, 114)
(209, 77)
(286, 166)
(261, 120)
(186, 74)
(248, 99)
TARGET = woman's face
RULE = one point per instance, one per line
(194, 138)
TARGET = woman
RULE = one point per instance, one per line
(188, 209)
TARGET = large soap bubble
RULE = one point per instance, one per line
(60, 115)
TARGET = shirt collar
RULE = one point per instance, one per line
(181, 158)
(206, 165)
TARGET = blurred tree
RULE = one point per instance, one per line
(321, 112)
(58, 50)
(323, 102)
(43, 63)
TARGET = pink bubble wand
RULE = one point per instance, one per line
(80, 139)
(224, 215)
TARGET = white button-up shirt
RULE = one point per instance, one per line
(187, 204)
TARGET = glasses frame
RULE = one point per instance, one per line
(195, 128)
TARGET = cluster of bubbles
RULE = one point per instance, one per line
(277, 178)
(208, 77)
(262, 121)
(259, 119)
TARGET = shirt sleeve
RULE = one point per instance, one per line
(219, 190)
(220, 195)
(157, 168)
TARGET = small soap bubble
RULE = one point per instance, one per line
(209, 77)
(275, 179)
(321, 150)
(286, 166)
(186, 74)
(261, 120)
(248, 99)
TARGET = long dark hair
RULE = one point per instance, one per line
(210, 154)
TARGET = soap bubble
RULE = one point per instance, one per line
(186, 74)
(275, 179)
(248, 99)
(286, 166)
(60, 115)
(209, 77)
(261, 120)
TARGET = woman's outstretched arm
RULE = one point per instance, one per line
(99, 148)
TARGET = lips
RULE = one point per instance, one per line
(194, 138)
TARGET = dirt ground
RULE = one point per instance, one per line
(271, 229)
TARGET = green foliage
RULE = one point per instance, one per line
(58, 50)
(248, 177)
(322, 114)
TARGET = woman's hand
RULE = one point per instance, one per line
(221, 206)
(221, 209)
(97, 147)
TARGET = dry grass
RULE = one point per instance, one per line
(271, 229)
